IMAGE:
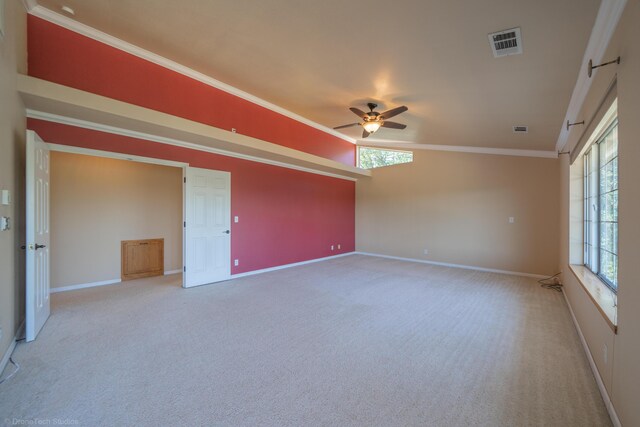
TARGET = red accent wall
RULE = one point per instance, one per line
(285, 216)
(68, 58)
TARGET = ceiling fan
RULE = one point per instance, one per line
(372, 121)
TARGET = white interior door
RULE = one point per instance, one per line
(37, 224)
(208, 227)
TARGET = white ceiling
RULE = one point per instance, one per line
(317, 58)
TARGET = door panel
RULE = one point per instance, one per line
(38, 239)
(208, 224)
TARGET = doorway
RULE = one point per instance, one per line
(204, 219)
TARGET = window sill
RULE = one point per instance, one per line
(603, 297)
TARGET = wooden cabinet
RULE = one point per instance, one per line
(142, 258)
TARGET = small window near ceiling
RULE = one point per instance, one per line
(369, 158)
(601, 206)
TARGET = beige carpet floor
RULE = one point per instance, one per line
(358, 340)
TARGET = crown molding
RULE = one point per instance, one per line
(87, 31)
(459, 149)
(69, 121)
(29, 5)
(603, 29)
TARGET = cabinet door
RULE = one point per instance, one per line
(142, 258)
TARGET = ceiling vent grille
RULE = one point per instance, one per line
(520, 129)
(507, 42)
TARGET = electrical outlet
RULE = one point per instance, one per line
(235, 219)
(236, 262)
(426, 251)
(511, 220)
(331, 247)
(233, 130)
(338, 245)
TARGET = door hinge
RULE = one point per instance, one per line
(184, 269)
(185, 180)
(185, 223)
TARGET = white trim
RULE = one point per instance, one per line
(101, 283)
(458, 148)
(29, 5)
(12, 347)
(607, 120)
(603, 29)
(85, 285)
(113, 155)
(168, 272)
(295, 264)
(169, 141)
(603, 390)
(446, 264)
(87, 31)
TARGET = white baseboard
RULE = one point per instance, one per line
(603, 390)
(168, 272)
(280, 267)
(9, 352)
(84, 285)
(102, 283)
(446, 264)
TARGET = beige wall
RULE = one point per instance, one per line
(98, 202)
(457, 206)
(12, 134)
(621, 372)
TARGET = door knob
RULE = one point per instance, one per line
(226, 231)
(40, 246)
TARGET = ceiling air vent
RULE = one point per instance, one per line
(507, 42)
(520, 129)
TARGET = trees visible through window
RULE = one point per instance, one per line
(601, 207)
(369, 158)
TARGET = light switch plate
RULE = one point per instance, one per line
(4, 223)
(6, 197)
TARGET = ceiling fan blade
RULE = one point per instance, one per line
(358, 112)
(346, 126)
(365, 133)
(393, 112)
(393, 125)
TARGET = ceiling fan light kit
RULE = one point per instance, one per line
(371, 127)
(372, 121)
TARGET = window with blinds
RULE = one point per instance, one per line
(601, 207)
